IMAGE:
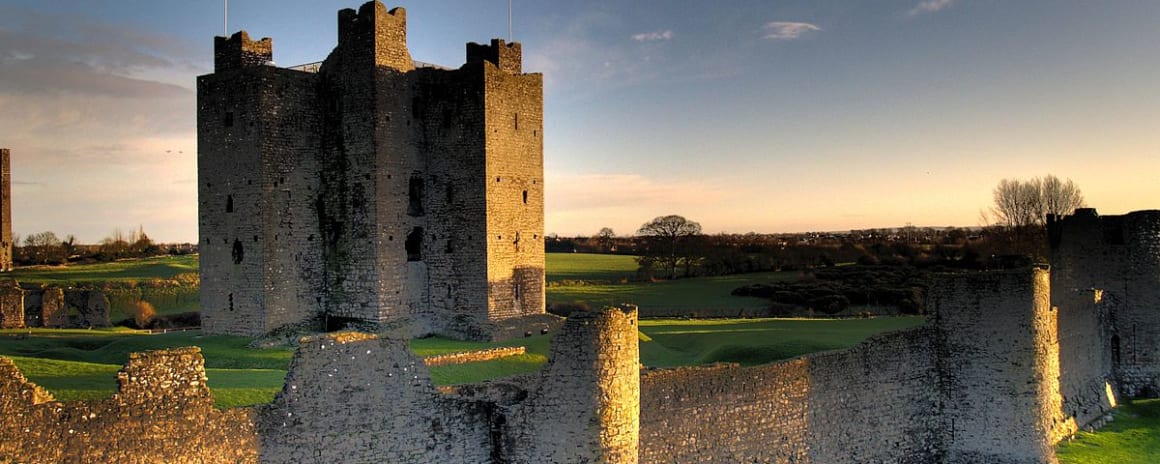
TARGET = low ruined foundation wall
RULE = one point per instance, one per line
(162, 412)
(876, 402)
(725, 413)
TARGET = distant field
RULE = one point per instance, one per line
(571, 278)
(164, 267)
(587, 267)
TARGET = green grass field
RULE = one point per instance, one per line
(599, 280)
(1133, 437)
(162, 267)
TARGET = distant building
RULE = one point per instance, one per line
(370, 187)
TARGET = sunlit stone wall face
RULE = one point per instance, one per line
(998, 365)
(162, 412)
(586, 407)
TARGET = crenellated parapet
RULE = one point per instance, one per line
(507, 56)
(239, 51)
(375, 34)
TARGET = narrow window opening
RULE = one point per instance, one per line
(229, 203)
(525, 197)
(238, 252)
(414, 244)
(516, 291)
(1116, 350)
(415, 195)
(231, 302)
(517, 121)
(228, 119)
(450, 193)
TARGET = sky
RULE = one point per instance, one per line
(745, 116)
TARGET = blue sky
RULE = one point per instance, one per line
(767, 116)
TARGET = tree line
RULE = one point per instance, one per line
(672, 246)
(46, 248)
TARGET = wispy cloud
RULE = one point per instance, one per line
(653, 36)
(929, 6)
(783, 30)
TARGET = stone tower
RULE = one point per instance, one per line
(1106, 280)
(5, 210)
(1001, 400)
(370, 186)
(593, 379)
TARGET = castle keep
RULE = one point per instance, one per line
(370, 186)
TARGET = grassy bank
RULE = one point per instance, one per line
(1133, 437)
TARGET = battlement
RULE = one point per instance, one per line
(376, 32)
(1087, 225)
(238, 51)
(507, 56)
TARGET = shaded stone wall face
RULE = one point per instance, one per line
(11, 306)
(726, 413)
(999, 367)
(162, 412)
(92, 307)
(876, 402)
(351, 398)
(1114, 260)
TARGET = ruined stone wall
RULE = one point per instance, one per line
(515, 186)
(876, 402)
(998, 357)
(5, 210)
(351, 398)
(1118, 258)
(1135, 321)
(726, 413)
(11, 306)
(162, 412)
(586, 407)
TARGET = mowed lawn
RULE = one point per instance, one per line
(161, 267)
(586, 278)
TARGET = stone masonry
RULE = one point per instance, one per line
(162, 412)
(370, 186)
(5, 210)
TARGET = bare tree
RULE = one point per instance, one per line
(43, 247)
(1027, 203)
(1017, 203)
(1059, 197)
(669, 231)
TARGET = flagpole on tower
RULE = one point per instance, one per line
(226, 19)
(510, 39)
